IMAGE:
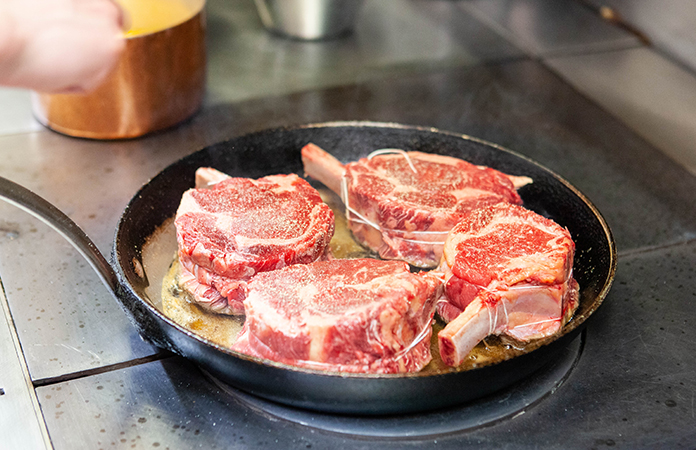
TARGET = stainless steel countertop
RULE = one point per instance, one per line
(538, 76)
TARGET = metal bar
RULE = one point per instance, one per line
(28, 201)
(22, 424)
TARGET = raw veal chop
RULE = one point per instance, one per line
(238, 227)
(507, 270)
(403, 204)
(357, 315)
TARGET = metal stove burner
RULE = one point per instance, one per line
(504, 404)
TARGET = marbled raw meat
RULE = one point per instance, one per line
(403, 204)
(507, 270)
(235, 228)
(344, 315)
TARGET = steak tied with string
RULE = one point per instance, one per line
(230, 229)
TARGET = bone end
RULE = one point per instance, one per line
(207, 177)
(322, 166)
(462, 334)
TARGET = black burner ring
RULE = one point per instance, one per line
(504, 404)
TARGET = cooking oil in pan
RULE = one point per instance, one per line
(220, 329)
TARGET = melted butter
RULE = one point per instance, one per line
(343, 246)
(150, 16)
(178, 306)
(491, 350)
(223, 330)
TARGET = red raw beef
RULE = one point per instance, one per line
(403, 204)
(507, 270)
(238, 227)
(345, 315)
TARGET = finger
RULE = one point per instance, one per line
(106, 9)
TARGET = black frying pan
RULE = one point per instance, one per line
(144, 247)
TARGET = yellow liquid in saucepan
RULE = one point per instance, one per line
(150, 16)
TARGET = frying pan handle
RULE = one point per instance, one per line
(23, 198)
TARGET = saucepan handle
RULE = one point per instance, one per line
(56, 219)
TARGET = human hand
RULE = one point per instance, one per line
(58, 46)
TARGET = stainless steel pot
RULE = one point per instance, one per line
(309, 19)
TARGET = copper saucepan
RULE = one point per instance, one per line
(158, 82)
